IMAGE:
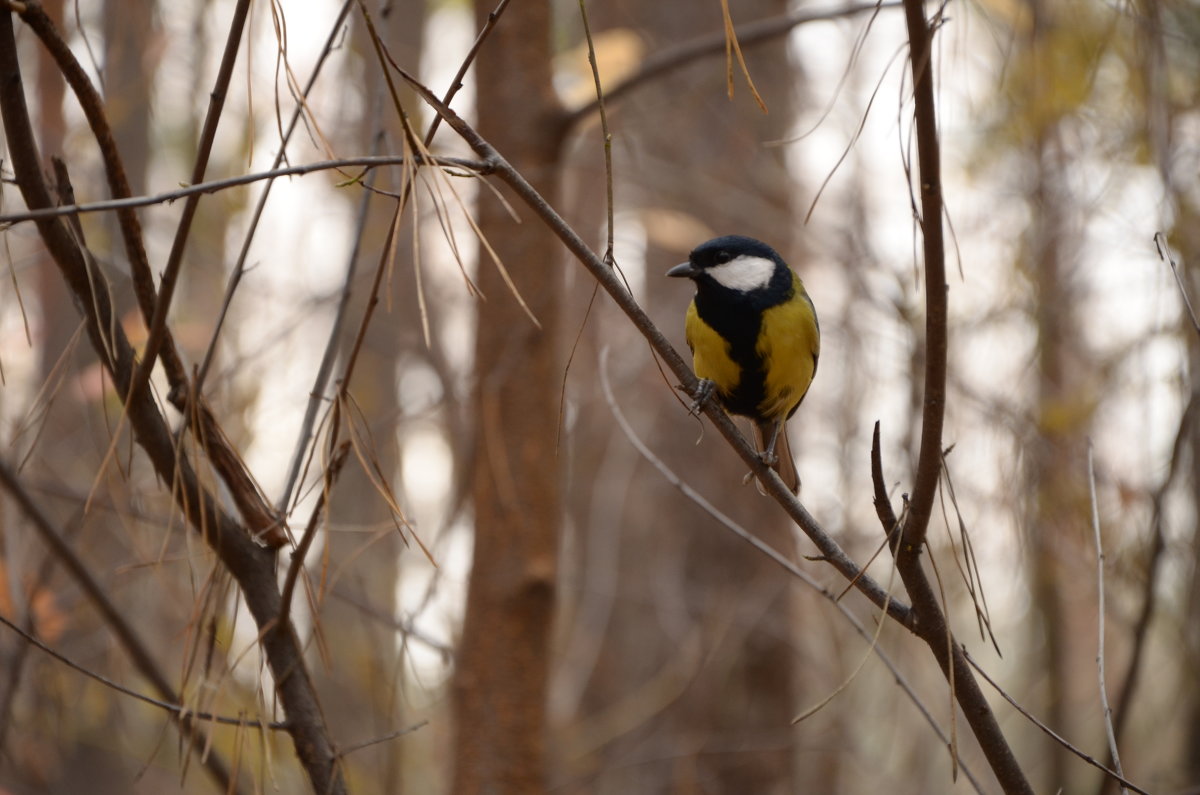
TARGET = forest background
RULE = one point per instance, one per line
(525, 566)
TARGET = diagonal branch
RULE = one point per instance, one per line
(251, 565)
(830, 550)
(748, 34)
(226, 461)
(139, 653)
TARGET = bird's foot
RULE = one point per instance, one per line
(768, 458)
(704, 393)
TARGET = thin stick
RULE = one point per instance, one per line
(317, 394)
(1108, 724)
(1164, 253)
(179, 710)
(831, 551)
(766, 549)
(608, 165)
(367, 162)
(457, 83)
(1058, 738)
(139, 653)
(239, 267)
(349, 749)
(170, 276)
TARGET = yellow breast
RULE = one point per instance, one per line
(710, 353)
(789, 343)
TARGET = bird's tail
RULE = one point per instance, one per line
(785, 465)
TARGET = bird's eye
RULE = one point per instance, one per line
(723, 257)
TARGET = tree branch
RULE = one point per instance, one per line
(830, 551)
(748, 35)
(253, 508)
(931, 624)
(251, 565)
(139, 653)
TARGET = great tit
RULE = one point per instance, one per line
(754, 338)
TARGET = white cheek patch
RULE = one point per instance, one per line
(744, 273)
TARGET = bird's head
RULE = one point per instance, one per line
(733, 262)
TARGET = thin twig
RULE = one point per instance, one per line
(310, 532)
(604, 131)
(139, 653)
(1058, 738)
(1164, 253)
(748, 35)
(180, 711)
(770, 552)
(367, 162)
(1107, 710)
(208, 134)
(1141, 629)
(349, 749)
(830, 550)
(457, 83)
(316, 395)
(239, 267)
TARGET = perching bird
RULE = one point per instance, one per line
(753, 333)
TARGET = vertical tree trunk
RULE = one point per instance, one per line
(500, 684)
(1058, 498)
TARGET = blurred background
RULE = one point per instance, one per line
(677, 654)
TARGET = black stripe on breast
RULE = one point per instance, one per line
(737, 317)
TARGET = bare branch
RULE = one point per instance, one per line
(748, 35)
(1050, 732)
(139, 653)
(1107, 710)
(830, 550)
(766, 549)
(170, 274)
(251, 565)
(929, 463)
(180, 712)
(367, 162)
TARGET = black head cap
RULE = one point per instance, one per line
(722, 249)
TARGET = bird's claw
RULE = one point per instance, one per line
(704, 392)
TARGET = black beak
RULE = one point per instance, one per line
(685, 269)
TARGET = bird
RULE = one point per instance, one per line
(754, 336)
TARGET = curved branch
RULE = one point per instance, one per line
(830, 550)
(929, 160)
(748, 35)
(154, 304)
(932, 626)
(251, 565)
(139, 653)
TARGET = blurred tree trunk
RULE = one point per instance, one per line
(1058, 496)
(682, 652)
(501, 678)
(360, 689)
(1186, 239)
(59, 319)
